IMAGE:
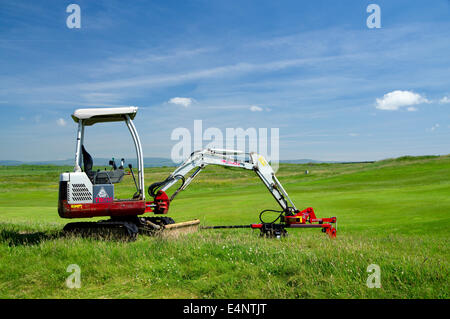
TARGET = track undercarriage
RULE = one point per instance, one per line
(130, 227)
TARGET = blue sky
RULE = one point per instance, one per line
(313, 69)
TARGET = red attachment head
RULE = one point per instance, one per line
(162, 203)
(331, 231)
(307, 215)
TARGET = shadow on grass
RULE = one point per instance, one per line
(13, 236)
(20, 237)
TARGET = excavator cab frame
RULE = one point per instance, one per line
(80, 194)
(89, 117)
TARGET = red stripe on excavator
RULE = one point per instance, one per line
(116, 208)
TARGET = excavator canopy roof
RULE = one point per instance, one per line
(98, 115)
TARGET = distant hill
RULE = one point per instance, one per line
(310, 161)
(148, 162)
(306, 161)
(10, 163)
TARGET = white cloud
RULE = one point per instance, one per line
(255, 108)
(434, 127)
(412, 109)
(394, 100)
(61, 122)
(219, 71)
(444, 100)
(183, 101)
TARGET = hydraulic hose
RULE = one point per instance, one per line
(152, 189)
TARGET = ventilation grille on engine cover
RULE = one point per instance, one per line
(79, 193)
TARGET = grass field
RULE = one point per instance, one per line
(393, 213)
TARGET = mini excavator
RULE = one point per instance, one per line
(88, 193)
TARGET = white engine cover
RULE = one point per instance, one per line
(79, 187)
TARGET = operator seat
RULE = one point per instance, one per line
(87, 164)
(100, 177)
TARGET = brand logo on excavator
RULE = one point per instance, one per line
(232, 163)
(103, 196)
(102, 193)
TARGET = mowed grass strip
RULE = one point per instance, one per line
(393, 213)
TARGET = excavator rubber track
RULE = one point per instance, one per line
(129, 228)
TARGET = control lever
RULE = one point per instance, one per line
(113, 164)
(138, 193)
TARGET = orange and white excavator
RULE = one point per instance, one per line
(86, 193)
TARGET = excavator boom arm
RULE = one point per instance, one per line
(230, 158)
(289, 217)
